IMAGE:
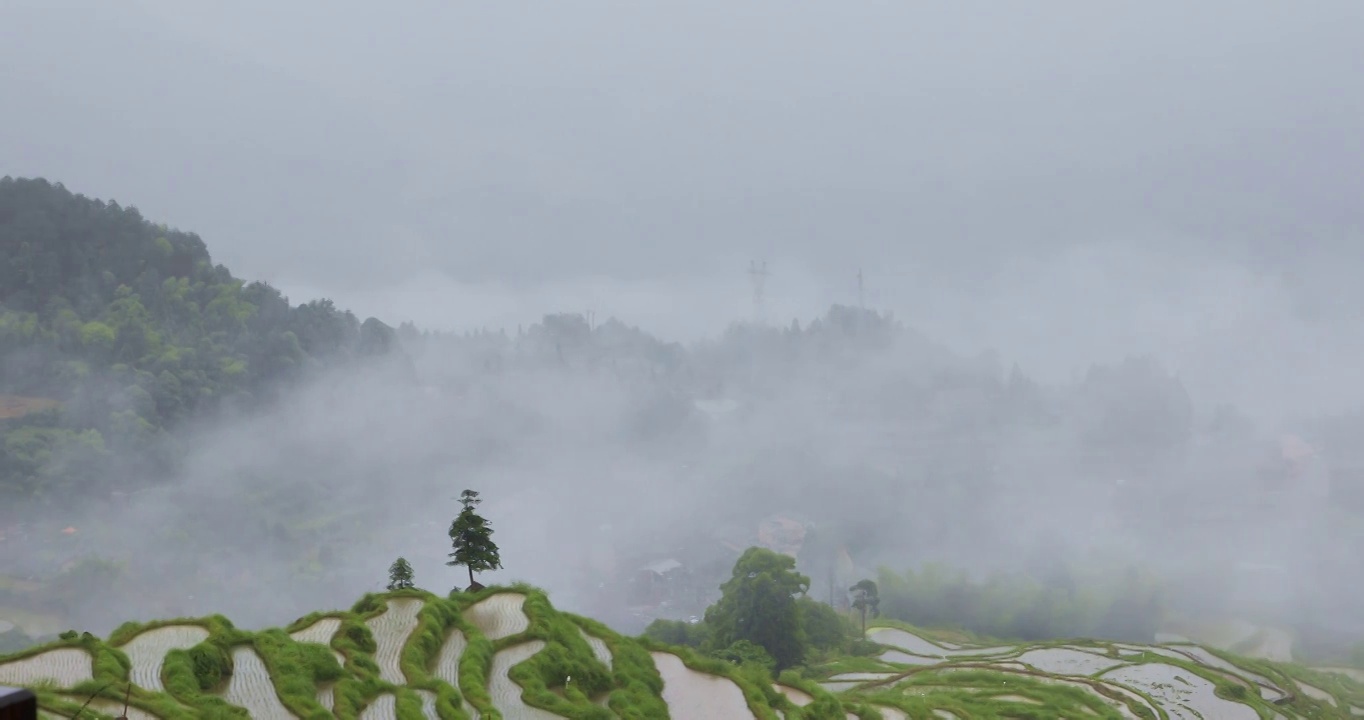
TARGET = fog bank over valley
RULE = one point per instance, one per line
(600, 449)
(1058, 332)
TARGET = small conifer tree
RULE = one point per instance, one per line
(400, 575)
(471, 539)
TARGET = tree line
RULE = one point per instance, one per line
(115, 331)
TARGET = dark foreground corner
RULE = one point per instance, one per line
(17, 704)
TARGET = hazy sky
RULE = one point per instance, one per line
(1065, 181)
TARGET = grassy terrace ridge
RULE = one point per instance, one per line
(220, 671)
(505, 652)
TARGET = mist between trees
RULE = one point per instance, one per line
(157, 411)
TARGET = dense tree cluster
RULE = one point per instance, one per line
(758, 605)
(763, 617)
(114, 331)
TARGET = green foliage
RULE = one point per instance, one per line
(825, 705)
(368, 603)
(471, 539)
(763, 583)
(630, 688)
(758, 604)
(355, 635)
(436, 621)
(823, 626)
(47, 462)
(743, 652)
(474, 666)
(400, 575)
(210, 664)
(132, 330)
(297, 669)
(981, 693)
(863, 648)
(676, 632)
(639, 687)
(545, 677)
(1121, 606)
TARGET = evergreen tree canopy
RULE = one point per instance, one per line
(471, 539)
(400, 575)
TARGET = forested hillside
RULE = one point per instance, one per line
(115, 331)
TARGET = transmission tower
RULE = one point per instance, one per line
(861, 292)
(757, 272)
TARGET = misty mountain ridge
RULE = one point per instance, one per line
(136, 332)
(163, 411)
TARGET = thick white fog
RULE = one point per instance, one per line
(596, 447)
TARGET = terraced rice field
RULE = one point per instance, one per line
(891, 713)
(499, 616)
(799, 697)
(1178, 681)
(147, 651)
(251, 687)
(447, 663)
(496, 632)
(64, 667)
(498, 621)
(320, 632)
(391, 630)
(429, 711)
(384, 707)
(693, 695)
(599, 649)
(507, 694)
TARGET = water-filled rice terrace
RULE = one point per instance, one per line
(917, 676)
(506, 653)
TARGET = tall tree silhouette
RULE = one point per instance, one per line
(866, 597)
(400, 575)
(471, 539)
